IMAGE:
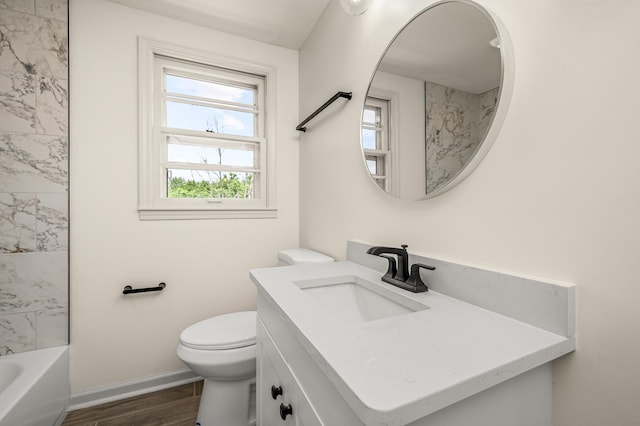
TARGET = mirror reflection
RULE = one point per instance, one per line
(431, 100)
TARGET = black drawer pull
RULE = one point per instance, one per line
(128, 289)
(285, 410)
(275, 391)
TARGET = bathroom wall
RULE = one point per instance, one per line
(205, 263)
(556, 197)
(33, 175)
(456, 122)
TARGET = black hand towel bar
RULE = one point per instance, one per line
(128, 289)
(319, 110)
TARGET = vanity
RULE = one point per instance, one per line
(337, 346)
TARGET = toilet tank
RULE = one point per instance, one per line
(301, 256)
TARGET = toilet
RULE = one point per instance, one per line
(222, 350)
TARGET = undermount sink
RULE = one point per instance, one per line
(353, 298)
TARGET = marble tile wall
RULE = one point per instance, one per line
(456, 122)
(34, 224)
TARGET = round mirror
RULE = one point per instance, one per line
(436, 100)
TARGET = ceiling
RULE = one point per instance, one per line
(285, 23)
(449, 45)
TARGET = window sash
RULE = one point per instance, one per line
(381, 110)
(382, 153)
(211, 140)
(212, 74)
(161, 152)
(208, 140)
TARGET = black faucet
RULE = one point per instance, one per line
(402, 272)
(399, 275)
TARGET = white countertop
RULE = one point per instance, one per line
(398, 369)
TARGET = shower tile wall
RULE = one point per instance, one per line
(456, 122)
(34, 220)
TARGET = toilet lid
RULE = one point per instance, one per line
(302, 256)
(228, 331)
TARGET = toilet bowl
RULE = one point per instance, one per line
(222, 350)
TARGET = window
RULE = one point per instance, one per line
(375, 140)
(205, 146)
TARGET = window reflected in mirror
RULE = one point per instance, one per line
(375, 140)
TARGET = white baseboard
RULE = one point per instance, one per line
(125, 390)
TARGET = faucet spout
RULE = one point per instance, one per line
(402, 272)
(399, 276)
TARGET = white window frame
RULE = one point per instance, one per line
(387, 102)
(153, 57)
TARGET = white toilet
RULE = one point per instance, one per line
(222, 350)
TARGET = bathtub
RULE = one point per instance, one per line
(34, 387)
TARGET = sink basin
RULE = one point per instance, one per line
(355, 299)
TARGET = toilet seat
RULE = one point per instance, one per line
(229, 331)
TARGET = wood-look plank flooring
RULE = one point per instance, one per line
(177, 406)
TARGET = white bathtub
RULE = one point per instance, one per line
(34, 387)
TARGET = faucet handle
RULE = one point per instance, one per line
(415, 267)
(416, 280)
(392, 270)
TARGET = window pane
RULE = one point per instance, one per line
(372, 165)
(197, 154)
(369, 116)
(206, 119)
(207, 89)
(375, 164)
(369, 139)
(208, 184)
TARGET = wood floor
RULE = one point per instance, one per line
(176, 406)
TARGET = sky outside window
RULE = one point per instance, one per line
(208, 89)
(369, 132)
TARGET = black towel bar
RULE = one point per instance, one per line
(319, 110)
(128, 289)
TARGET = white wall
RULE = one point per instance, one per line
(205, 263)
(556, 197)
